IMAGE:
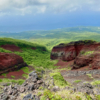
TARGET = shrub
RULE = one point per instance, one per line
(77, 81)
(12, 76)
(58, 79)
(4, 74)
(96, 82)
(24, 75)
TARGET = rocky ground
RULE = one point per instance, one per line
(34, 84)
(84, 78)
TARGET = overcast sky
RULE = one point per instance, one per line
(21, 15)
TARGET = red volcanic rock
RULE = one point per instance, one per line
(82, 61)
(68, 52)
(96, 61)
(11, 47)
(8, 60)
(84, 53)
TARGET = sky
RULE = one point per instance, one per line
(25, 15)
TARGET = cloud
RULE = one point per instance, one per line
(23, 7)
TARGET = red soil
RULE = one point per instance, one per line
(11, 47)
(17, 74)
(64, 64)
(9, 60)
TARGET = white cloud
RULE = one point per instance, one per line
(42, 6)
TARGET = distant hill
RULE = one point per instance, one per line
(73, 33)
(50, 38)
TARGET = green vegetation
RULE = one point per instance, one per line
(19, 81)
(49, 43)
(98, 97)
(12, 76)
(89, 75)
(4, 74)
(25, 70)
(25, 75)
(51, 96)
(21, 43)
(64, 95)
(96, 82)
(0, 80)
(39, 58)
(77, 81)
(88, 52)
(51, 38)
(58, 79)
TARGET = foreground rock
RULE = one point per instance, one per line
(13, 92)
(29, 89)
(10, 62)
(84, 53)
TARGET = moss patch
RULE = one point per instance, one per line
(58, 79)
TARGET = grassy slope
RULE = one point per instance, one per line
(38, 58)
(41, 60)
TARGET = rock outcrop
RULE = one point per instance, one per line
(84, 53)
(10, 62)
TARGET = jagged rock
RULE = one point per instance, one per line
(87, 88)
(10, 92)
(28, 97)
(33, 75)
(55, 88)
(31, 87)
(5, 97)
(31, 97)
(12, 98)
(22, 89)
(5, 89)
(39, 81)
(36, 97)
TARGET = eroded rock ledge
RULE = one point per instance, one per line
(84, 53)
(10, 62)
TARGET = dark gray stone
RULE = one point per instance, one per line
(31, 87)
(32, 73)
(35, 97)
(28, 97)
(5, 97)
(55, 88)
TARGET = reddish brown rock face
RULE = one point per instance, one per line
(11, 47)
(8, 60)
(79, 52)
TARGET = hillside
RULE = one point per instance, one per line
(41, 75)
(31, 53)
(51, 38)
(71, 32)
